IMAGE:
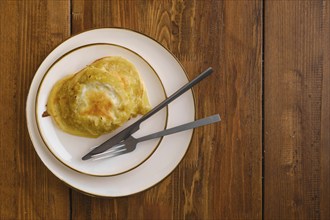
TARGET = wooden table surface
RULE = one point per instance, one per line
(269, 158)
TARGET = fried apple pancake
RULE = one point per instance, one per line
(99, 98)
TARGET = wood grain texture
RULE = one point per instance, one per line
(220, 177)
(28, 31)
(297, 122)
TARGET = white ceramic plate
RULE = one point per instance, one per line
(69, 149)
(171, 149)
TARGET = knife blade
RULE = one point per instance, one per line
(136, 125)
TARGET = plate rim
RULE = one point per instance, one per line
(34, 137)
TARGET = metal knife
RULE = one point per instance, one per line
(136, 126)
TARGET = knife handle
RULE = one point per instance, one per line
(179, 92)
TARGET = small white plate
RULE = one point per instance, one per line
(69, 149)
(171, 149)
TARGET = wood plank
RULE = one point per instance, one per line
(220, 177)
(28, 31)
(297, 122)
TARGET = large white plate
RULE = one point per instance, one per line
(69, 149)
(172, 148)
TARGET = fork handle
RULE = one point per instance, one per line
(187, 126)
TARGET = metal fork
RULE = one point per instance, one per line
(130, 143)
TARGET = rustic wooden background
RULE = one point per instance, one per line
(268, 159)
